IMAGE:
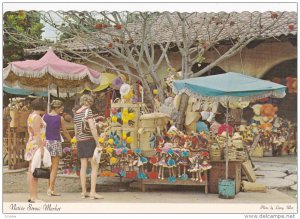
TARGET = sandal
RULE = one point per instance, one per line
(96, 196)
(52, 193)
(84, 195)
(35, 201)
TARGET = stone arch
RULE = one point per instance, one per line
(281, 62)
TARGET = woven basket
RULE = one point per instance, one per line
(191, 127)
(154, 120)
(144, 138)
(14, 115)
(23, 116)
(215, 155)
(148, 153)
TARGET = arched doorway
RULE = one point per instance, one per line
(279, 74)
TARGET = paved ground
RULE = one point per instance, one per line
(162, 196)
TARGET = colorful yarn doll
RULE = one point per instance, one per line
(162, 165)
(155, 161)
(171, 163)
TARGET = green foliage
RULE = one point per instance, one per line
(19, 23)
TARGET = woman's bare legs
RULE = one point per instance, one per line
(83, 162)
(53, 174)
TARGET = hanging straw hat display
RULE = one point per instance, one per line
(176, 101)
(124, 89)
(117, 83)
(192, 117)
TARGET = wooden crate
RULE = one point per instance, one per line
(133, 133)
(16, 144)
(218, 172)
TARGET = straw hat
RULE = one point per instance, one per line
(236, 136)
(214, 107)
(242, 128)
(276, 123)
(117, 83)
(256, 109)
(125, 89)
(205, 115)
(211, 116)
(192, 100)
(205, 106)
(255, 129)
(196, 106)
(192, 117)
(176, 101)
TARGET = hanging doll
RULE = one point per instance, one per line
(196, 168)
(141, 161)
(132, 162)
(205, 158)
(183, 161)
(155, 161)
(162, 165)
(171, 163)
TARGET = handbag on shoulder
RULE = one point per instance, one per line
(85, 127)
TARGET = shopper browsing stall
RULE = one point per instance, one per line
(87, 141)
(55, 123)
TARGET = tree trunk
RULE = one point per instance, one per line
(148, 97)
(182, 108)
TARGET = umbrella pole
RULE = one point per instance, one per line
(57, 91)
(226, 149)
(48, 97)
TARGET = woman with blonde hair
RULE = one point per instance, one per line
(86, 144)
(36, 129)
(55, 123)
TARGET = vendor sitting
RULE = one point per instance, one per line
(203, 124)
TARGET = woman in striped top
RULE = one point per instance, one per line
(86, 144)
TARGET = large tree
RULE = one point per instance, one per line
(196, 33)
(21, 23)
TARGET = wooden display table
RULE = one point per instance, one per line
(15, 142)
(218, 172)
(178, 182)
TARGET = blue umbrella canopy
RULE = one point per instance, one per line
(229, 86)
(20, 91)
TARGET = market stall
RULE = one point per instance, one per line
(228, 88)
(45, 74)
